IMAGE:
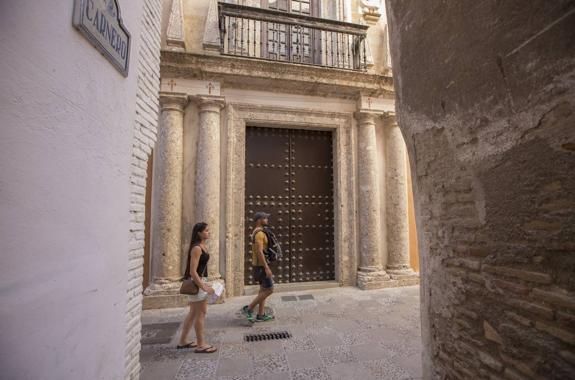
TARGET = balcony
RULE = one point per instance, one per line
(272, 35)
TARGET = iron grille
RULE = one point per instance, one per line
(267, 336)
(294, 38)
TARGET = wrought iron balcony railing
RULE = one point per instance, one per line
(279, 36)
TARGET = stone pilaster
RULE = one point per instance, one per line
(371, 274)
(211, 40)
(208, 204)
(167, 194)
(396, 206)
(175, 33)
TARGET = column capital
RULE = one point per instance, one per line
(390, 119)
(209, 103)
(175, 101)
(367, 116)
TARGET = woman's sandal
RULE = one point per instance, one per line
(205, 350)
(189, 345)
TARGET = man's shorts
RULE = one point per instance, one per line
(261, 278)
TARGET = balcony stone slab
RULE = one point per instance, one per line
(276, 76)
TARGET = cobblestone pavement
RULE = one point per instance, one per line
(342, 333)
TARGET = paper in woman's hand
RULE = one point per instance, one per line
(218, 291)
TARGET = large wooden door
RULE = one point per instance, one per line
(289, 174)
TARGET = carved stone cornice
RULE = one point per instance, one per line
(252, 74)
(371, 12)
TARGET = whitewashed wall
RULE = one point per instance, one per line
(66, 146)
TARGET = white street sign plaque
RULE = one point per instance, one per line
(101, 23)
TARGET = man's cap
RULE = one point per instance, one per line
(260, 215)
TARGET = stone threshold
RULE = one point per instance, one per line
(250, 290)
(395, 281)
(164, 301)
(174, 300)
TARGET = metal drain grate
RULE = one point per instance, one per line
(306, 297)
(267, 336)
(296, 298)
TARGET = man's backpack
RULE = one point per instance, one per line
(274, 250)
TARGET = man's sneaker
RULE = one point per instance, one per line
(264, 318)
(248, 313)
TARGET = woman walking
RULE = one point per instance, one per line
(198, 261)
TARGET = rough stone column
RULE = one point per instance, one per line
(371, 274)
(208, 206)
(397, 222)
(168, 162)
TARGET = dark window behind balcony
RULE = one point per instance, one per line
(302, 7)
(288, 31)
(284, 40)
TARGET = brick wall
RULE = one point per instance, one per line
(486, 103)
(147, 107)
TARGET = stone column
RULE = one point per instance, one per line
(167, 193)
(208, 206)
(371, 274)
(396, 204)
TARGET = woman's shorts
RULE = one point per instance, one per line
(201, 295)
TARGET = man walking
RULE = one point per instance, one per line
(261, 270)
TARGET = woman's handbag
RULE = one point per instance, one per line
(189, 287)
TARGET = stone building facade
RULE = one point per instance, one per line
(267, 71)
(485, 101)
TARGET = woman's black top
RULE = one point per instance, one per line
(202, 268)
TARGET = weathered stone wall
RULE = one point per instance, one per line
(146, 121)
(486, 102)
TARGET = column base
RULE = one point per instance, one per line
(376, 278)
(372, 278)
(166, 294)
(404, 275)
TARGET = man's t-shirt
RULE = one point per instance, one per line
(262, 239)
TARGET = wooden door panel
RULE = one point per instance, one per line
(267, 189)
(312, 202)
(289, 173)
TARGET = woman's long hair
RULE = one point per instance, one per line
(197, 230)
